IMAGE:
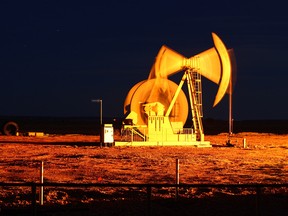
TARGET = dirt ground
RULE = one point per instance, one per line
(79, 159)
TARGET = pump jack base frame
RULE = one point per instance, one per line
(202, 144)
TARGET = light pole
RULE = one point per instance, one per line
(99, 101)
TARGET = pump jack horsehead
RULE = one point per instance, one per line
(156, 109)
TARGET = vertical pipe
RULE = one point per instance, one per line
(41, 181)
(177, 179)
(230, 108)
(244, 143)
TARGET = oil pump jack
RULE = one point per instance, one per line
(156, 109)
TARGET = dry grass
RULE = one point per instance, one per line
(75, 158)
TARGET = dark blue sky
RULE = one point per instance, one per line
(55, 56)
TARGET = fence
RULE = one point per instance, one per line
(253, 187)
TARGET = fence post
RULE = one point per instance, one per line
(177, 179)
(258, 196)
(41, 181)
(149, 195)
(33, 189)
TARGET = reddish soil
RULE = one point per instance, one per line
(78, 159)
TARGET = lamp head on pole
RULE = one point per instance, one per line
(96, 100)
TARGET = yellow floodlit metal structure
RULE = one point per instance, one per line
(156, 109)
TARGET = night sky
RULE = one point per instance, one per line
(55, 56)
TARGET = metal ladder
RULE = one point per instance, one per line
(195, 95)
(198, 91)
